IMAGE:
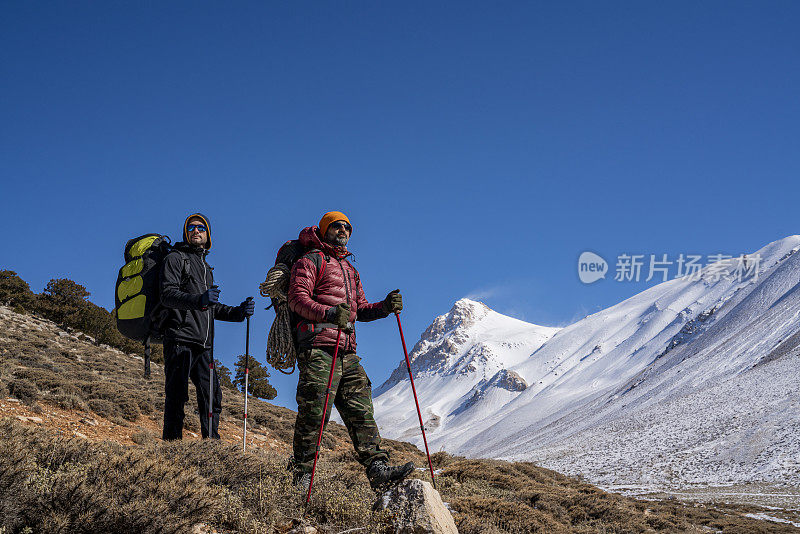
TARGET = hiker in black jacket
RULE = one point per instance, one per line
(188, 291)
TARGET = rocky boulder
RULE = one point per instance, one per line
(416, 508)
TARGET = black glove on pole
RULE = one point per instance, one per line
(248, 307)
(211, 296)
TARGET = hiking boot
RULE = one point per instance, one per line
(301, 480)
(381, 474)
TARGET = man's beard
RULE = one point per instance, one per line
(340, 241)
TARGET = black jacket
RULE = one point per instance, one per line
(185, 276)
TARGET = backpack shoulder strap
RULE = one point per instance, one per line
(357, 277)
(185, 269)
(184, 257)
(319, 259)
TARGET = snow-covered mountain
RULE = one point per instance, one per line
(461, 367)
(692, 380)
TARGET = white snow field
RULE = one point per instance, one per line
(689, 382)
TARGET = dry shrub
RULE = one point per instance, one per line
(67, 389)
(192, 422)
(44, 379)
(110, 399)
(68, 402)
(103, 408)
(23, 356)
(65, 384)
(441, 459)
(69, 355)
(280, 424)
(261, 493)
(64, 485)
(143, 401)
(128, 408)
(119, 421)
(503, 516)
(256, 486)
(143, 436)
(24, 390)
(100, 389)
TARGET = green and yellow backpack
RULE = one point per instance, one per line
(138, 310)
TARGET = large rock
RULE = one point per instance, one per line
(417, 508)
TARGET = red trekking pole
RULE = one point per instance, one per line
(414, 390)
(324, 411)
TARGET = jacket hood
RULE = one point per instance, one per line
(208, 226)
(309, 238)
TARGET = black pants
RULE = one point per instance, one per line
(182, 362)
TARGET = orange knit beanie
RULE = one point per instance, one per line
(332, 217)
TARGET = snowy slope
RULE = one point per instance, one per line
(461, 369)
(688, 381)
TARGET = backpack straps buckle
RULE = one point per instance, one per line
(331, 325)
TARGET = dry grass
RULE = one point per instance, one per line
(495, 496)
(57, 483)
(51, 484)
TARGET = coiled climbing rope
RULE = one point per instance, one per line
(281, 351)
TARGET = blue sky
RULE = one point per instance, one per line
(478, 148)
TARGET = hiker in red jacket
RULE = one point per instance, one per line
(326, 294)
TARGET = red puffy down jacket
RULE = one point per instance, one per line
(311, 295)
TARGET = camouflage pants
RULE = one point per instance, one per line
(351, 393)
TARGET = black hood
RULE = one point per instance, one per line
(208, 226)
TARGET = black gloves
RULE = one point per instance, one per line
(248, 307)
(393, 303)
(339, 315)
(209, 297)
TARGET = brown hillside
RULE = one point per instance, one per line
(79, 452)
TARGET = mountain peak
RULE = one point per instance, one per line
(470, 341)
(468, 303)
(464, 313)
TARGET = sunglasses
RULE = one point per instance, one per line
(199, 227)
(340, 224)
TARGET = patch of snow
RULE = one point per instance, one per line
(766, 517)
